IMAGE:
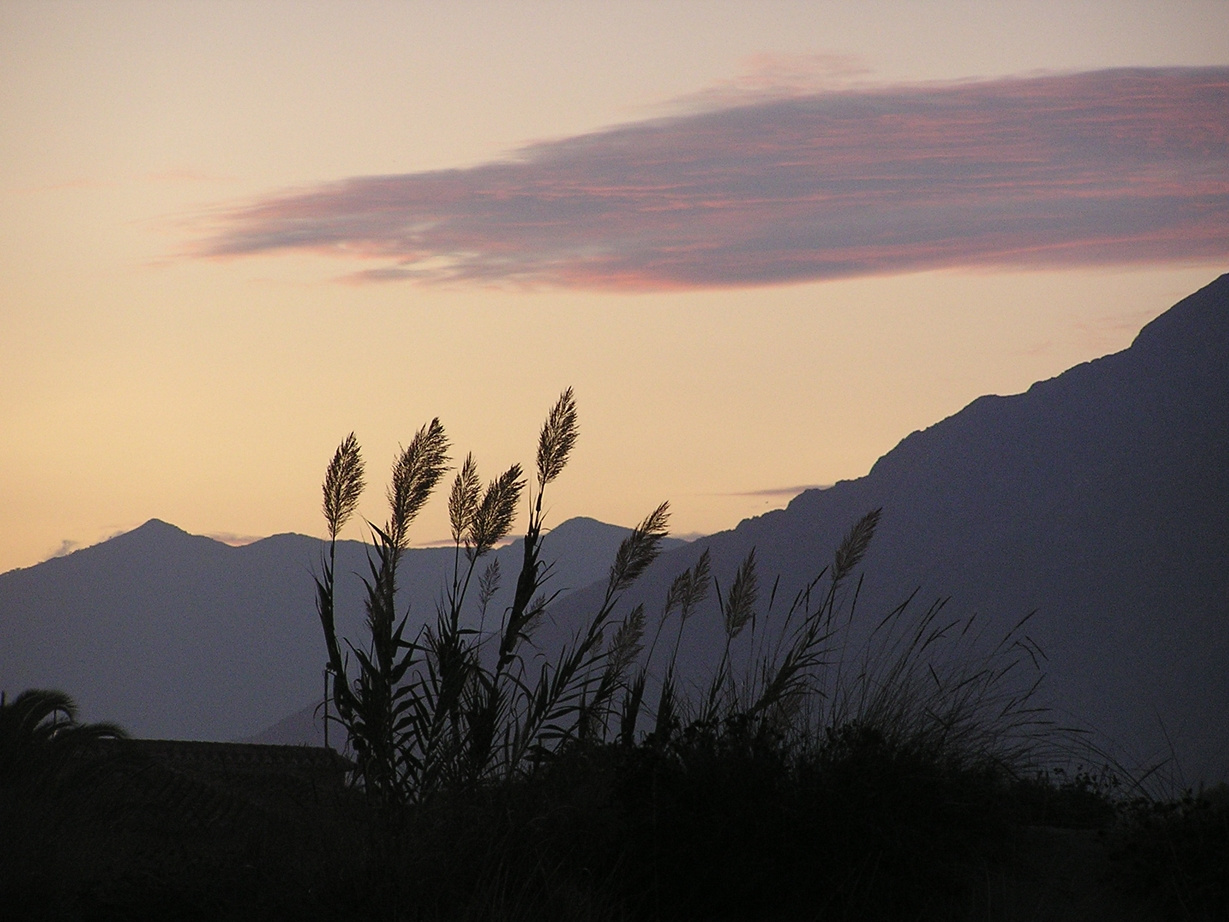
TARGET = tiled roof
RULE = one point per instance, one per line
(228, 775)
(237, 757)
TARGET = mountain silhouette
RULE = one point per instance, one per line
(178, 636)
(1099, 499)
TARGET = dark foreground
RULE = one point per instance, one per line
(709, 829)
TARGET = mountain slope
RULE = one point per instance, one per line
(1099, 498)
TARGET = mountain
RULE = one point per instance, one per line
(179, 636)
(1099, 499)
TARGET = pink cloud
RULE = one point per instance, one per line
(1108, 167)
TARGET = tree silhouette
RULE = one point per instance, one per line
(41, 741)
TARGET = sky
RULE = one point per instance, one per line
(763, 242)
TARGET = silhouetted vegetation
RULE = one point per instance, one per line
(41, 742)
(821, 770)
(1175, 853)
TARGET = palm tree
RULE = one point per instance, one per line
(40, 738)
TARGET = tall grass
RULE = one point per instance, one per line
(825, 764)
(452, 706)
(822, 768)
(877, 749)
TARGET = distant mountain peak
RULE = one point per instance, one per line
(154, 529)
(1098, 499)
(155, 525)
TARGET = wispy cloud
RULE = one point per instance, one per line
(781, 492)
(67, 546)
(772, 76)
(1107, 167)
(234, 540)
(72, 545)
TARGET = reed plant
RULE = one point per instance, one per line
(453, 706)
(824, 765)
(821, 765)
(918, 679)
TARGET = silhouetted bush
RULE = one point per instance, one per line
(1175, 853)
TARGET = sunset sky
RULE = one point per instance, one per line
(763, 241)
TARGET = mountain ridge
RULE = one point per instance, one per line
(185, 637)
(1098, 498)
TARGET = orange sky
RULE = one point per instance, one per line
(142, 380)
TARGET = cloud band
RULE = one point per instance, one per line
(1106, 167)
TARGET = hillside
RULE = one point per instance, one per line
(1099, 498)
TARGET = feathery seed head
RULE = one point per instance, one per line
(690, 588)
(488, 583)
(493, 517)
(343, 484)
(855, 544)
(625, 646)
(415, 474)
(740, 607)
(639, 549)
(463, 500)
(557, 438)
